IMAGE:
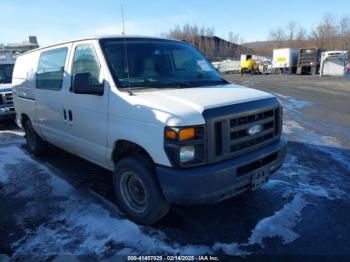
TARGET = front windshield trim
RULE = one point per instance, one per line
(200, 80)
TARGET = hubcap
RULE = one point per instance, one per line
(133, 192)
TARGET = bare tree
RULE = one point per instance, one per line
(344, 31)
(327, 31)
(278, 36)
(230, 36)
(301, 34)
(291, 30)
(205, 40)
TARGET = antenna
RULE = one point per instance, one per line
(126, 53)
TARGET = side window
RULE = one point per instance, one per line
(85, 61)
(51, 69)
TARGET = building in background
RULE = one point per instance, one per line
(8, 54)
(25, 46)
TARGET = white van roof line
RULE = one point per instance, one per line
(98, 38)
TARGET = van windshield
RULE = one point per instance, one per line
(6, 73)
(158, 64)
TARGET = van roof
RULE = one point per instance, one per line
(101, 37)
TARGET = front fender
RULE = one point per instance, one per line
(147, 135)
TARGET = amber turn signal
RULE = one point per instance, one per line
(187, 134)
(170, 134)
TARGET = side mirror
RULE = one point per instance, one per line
(82, 84)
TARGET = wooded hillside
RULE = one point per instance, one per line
(213, 47)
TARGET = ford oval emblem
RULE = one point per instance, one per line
(255, 129)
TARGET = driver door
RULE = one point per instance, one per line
(87, 113)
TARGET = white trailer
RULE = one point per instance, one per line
(285, 59)
(333, 63)
(230, 66)
(216, 64)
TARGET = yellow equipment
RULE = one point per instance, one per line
(249, 66)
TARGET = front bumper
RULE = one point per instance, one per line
(7, 112)
(216, 182)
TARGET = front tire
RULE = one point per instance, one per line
(138, 192)
(37, 146)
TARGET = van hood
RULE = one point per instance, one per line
(186, 105)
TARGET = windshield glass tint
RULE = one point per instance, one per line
(157, 63)
(6, 73)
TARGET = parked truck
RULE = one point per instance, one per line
(285, 60)
(8, 55)
(309, 60)
(7, 62)
(333, 63)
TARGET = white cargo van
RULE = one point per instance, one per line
(156, 113)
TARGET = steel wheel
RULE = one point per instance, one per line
(133, 191)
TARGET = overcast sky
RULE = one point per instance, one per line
(59, 20)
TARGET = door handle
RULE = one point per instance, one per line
(70, 115)
(64, 114)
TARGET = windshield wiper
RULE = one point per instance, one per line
(159, 83)
(175, 82)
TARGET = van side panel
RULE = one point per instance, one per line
(23, 82)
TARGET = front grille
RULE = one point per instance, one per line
(8, 99)
(230, 132)
(237, 136)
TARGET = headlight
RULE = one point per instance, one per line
(185, 146)
(187, 153)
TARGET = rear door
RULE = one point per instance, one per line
(52, 82)
(87, 113)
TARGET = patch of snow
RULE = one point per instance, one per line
(296, 131)
(304, 177)
(273, 183)
(82, 226)
(314, 190)
(18, 132)
(89, 229)
(290, 103)
(232, 249)
(9, 156)
(280, 224)
(13, 155)
(290, 126)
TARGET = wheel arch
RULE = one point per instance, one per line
(123, 148)
(24, 118)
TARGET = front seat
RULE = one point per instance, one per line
(149, 70)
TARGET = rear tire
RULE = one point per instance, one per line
(138, 192)
(37, 146)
